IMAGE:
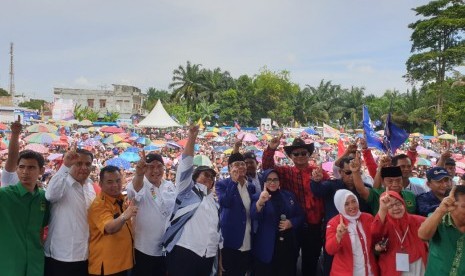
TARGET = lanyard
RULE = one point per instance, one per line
(403, 238)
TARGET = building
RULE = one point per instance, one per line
(124, 99)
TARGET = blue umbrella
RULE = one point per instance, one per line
(151, 148)
(130, 156)
(119, 162)
(417, 181)
(220, 148)
(133, 134)
(143, 141)
(173, 145)
(196, 147)
(224, 169)
(133, 149)
(310, 131)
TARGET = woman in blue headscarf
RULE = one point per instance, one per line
(276, 217)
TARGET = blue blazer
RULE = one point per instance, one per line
(265, 224)
(232, 212)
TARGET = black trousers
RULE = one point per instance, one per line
(283, 263)
(58, 268)
(311, 242)
(235, 262)
(147, 265)
(184, 262)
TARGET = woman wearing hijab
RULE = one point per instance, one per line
(276, 217)
(401, 251)
(348, 238)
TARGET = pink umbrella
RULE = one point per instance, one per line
(112, 129)
(328, 166)
(247, 137)
(37, 148)
(459, 170)
(460, 165)
(279, 154)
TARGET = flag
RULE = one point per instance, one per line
(394, 136)
(373, 139)
(435, 130)
(200, 124)
(237, 126)
(329, 132)
(340, 148)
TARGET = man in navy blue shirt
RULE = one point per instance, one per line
(440, 183)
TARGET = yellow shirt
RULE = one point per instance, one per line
(110, 253)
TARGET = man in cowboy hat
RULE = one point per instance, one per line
(297, 180)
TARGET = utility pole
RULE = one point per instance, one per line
(12, 73)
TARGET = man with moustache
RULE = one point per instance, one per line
(440, 183)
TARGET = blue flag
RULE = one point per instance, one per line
(394, 136)
(373, 139)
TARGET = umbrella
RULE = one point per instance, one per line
(60, 143)
(218, 139)
(328, 166)
(73, 122)
(447, 137)
(247, 137)
(118, 162)
(182, 142)
(37, 148)
(63, 123)
(331, 141)
(159, 143)
(251, 148)
(133, 149)
(123, 145)
(133, 134)
(3, 145)
(82, 130)
(279, 154)
(93, 129)
(460, 165)
(55, 156)
(144, 141)
(85, 123)
(173, 145)
(112, 129)
(151, 148)
(130, 156)
(41, 128)
(417, 180)
(202, 160)
(92, 142)
(228, 151)
(112, 139)
(224, 169)
(220, 148)
(41, 138)
(3, 126)
(423, 162)
(310, 131)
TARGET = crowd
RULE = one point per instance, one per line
(255, 210)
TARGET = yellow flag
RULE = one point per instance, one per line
(435, 130)
(200, 123)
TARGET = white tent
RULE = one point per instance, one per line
(159, 118)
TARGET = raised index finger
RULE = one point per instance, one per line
(452, 192)
(19, 119)
(341, 220)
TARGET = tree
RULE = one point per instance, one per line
(153, 95)
(3, 92)
(85, 113)
(187, 85)
(438, 45)
(234, 106)
(111, 117)
(33, 104)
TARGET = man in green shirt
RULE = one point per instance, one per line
(392, 179)
(23, 214)
(445, 231)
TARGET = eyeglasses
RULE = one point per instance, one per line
(238, 164)
(398, 204)
(272, 180)
(347, 172)
(300, 153)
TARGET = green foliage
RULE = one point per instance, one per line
(111, 117)
(3, 92)
(85, 113)
(33, 104)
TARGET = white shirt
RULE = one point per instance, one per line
(244, 193)
(200, 233)
(153, 215)
(9, 178)
(68, 232)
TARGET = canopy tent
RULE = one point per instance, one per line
(159, 118)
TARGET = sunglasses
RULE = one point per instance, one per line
(301, 153)
(347, 172)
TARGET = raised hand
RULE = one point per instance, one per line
(414, 145)
(264, 197)
(363, 143)
(351, 149)
(193, 130)
(131, 210)
(356, 163)
(446, 155)
(448, 203)
(385, 201)
(317, 174)
(274, 142)
(384, 161)
(238, 143)
(341, 229)
(141, 166)
(71, 157)
(16, 127)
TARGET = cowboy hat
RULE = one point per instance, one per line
(298, 143)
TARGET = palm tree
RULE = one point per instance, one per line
(214, 82)
(187, 84)
(352, 105)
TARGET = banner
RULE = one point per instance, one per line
(63, 109)
(374, 140)
(329, 132)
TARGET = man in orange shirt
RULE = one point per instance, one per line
(111, 241)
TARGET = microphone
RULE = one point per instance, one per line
(283, 218)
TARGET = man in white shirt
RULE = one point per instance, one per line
(155, 199)
(70, 193)
(193, 237)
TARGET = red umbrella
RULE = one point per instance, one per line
(3, 145)
(182, 142)
(3, 126)
(112, 129)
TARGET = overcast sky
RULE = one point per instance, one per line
(92, 44)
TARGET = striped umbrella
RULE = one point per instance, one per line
(41, 128)
(41, 138)
(37, 148)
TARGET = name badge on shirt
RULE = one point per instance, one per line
(402, 263)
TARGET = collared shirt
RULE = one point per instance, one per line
(244, 193)
(23, 216)
(69, 204)
(415, 189)
(201, 234)
(375, 194)
(427, 203)
(256, 182)
(9, 178)
(112, 252)
(446, 250)
(298, 181)
(155, 206)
